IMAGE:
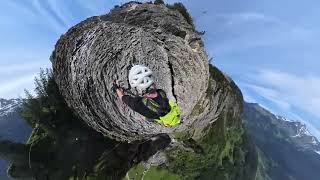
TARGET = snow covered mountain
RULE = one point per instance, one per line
(12, 127)
(299, 134)
(287, 150)
(8, 106)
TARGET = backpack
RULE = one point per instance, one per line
(173, 117)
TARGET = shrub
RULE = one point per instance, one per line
(158, 2)
(47, 106)
(183, 11)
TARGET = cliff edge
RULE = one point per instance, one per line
(99, 50)
(81, 130)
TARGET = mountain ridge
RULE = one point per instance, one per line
(13, 127)
(296, 130)
(9, 105)
(286, 149)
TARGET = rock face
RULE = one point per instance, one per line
(101, 49)
(209, 144)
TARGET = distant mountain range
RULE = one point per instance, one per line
(12, 126)
(8, 106)
(287, 150)
(299, 134)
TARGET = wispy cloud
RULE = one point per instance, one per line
(21, 67)
(271, 94)
(50, 14)
(52, 20)
(61, 12)
(16, 87)
(288, 93)
(19, 76)
(248, 17)
(245, 30)
(303, 91)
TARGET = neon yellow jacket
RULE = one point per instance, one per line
(173, 117)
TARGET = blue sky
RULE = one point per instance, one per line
(270, 48)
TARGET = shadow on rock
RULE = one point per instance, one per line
(79, 154)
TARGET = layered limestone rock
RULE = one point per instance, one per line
(101, 49)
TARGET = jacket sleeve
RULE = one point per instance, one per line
(132, 102)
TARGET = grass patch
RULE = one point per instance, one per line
(138, 172)
(226, 154)
(156, 173)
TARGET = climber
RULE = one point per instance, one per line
(153, 103)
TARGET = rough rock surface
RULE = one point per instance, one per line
(100, 49)
(210, 144)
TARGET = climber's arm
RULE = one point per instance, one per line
(132, 102)
(136, 104)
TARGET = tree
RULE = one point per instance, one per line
(47, 108)
(158, 2)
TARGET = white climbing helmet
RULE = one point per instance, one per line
(140, 77)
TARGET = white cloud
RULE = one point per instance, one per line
(245, 30)
(21, 67)
(51, 22)
(35, 14)
(60, 11)
(289, 92)
(270, 94)
(302, 91)
(14, 87)
(245, 17)
(248, 98)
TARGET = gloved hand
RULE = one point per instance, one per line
(114, 87)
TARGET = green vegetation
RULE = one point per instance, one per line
(182, 136)
(182, 10)
(217, 75)
(264, 166)
(198, 109)
(222, 158)
(48, 108)
(61, 146)
(226, 151)
(136, 172)
(223, 153)
(153, 173)
(158, 2)
(156, 173)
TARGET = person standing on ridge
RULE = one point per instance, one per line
(153, 104)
